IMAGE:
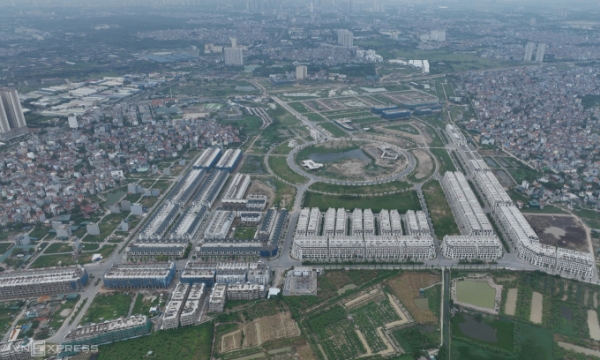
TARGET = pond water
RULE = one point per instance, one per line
(113, 197)
(333, 157)
(566, 313)
(478, 330)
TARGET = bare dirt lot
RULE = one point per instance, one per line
(560, 230)
(406, 288)
(425, 167)
(503, 177)
(259, 187)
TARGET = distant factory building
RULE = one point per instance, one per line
(12, 119)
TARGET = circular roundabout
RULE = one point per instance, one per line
(351, 162)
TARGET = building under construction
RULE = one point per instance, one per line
(127, 276)
(216, 303)
(109, 331)
(30, 283)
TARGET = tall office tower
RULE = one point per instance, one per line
(233, 42)
(529, 51)
(346, 38)
(301, 72)
(73, 124)
(234, 56)
(12, 120)
(541, 50)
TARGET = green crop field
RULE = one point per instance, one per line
(371, 316)
(402, 201)
(107, 307)
(280, 167)
(441, 214)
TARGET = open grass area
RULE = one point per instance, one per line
(280, 167)
(299, 107)
(439, 209)
(523, 172)
(335, 130)
(358, 190)
(244, 233)
(4, 246)
(58, 248)
(402, 202)
(107, 307)
(315, 117)
(53, 260)
(407, 128)
(188, 343)
(142, 305)
(414, 338)
(105, 251)
(444, 160)
(253, 165)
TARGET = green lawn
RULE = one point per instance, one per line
(4, 246)
(299, 107)
(315, 117)
(244, 233)
(334, 130)
(59, 248)
(280, 167)
(446, 163)
(107, 307)
(402, 201)
(188, 343)
(142, 306)
(105, 251)
(53, 260)
(357, 190)
(441, 214)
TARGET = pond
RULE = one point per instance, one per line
(333, 157)
(113, 197)
(478, 293)
(566, 313)
(477, 330)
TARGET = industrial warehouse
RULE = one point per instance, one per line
(360, 241)
(30, 283)
(512, 222)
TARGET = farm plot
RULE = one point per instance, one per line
(370, 318)
(277, 326)
(341, 342)
(406, 288)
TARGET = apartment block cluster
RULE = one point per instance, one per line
(351, 236)
(31, 283)
(185, 306)
(512, 222)
(218, 243)
(477, 239)
(189, 202)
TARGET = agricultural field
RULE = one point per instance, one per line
(406, 287)
(542, 309)
(439, 209)
(403, 201)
